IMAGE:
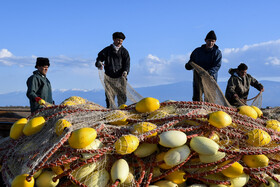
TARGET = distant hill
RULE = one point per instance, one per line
(181, 91)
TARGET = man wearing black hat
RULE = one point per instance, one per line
(39, 89)
(239, 84)
(209, 57)
(116, 65)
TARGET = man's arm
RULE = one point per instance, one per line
(216, 65)
(126, 62)
(192, 59)
(256, 84)
(231, 88)
(32, 88)
(101, 58)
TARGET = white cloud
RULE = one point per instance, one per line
(264, 45)
(5, 53)
(8, 59)
(273, 61)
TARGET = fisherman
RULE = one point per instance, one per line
(116, 64)
(39, 88)
(239, 84)
(209, 57)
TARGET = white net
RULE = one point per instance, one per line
(117, 135)
(120, 89)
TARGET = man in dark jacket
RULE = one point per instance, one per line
(116, 65)
(209, 57)
(239, 84)
(39, 89)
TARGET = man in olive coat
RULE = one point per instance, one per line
(38, 86)
(238, 85)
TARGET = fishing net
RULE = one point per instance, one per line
(93, 165)
(257, 101)
(212, 91)
(120, 89)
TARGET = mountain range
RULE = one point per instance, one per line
(180, 91)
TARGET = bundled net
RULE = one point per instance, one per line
(118, 88)
(134, 147)
(212, 91)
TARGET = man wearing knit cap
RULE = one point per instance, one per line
(209, 57)
(116, 62)
(39, 89)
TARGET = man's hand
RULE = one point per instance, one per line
(124, 74)
(40, 101)
(99, 65)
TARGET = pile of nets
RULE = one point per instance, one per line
(173, 143)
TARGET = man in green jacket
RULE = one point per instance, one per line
(39, 88)
(239, 84)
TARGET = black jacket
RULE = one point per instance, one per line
(115, 62)
(210, 60)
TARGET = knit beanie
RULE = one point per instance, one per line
(119, 35)
(42, 62)
(211, 35)
(242, 66)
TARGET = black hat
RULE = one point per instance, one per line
(211, 35)
(42, 62)
(242, 66)
(119, 35)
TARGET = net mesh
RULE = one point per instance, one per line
(91, 166)
(257, 101)
(212, 91)
(116, 87)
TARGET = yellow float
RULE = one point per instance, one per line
(117, 117)
(126, 144)
(258, 137)
(60, 125)
(46, 179)
(178, 177)
(17, 128)
(235, 170)
(33, 126)
(255, 161)
(219, 119)
(143, 127)
(147, 104)
(81, 138)
(248, 111)
(20, 181)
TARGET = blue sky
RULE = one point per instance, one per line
(161, 34)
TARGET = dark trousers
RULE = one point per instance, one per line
(115, 87)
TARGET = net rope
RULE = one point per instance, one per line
(89, 167)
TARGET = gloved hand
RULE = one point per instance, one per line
(188, 66)
(40, 101)
(124, 74)
(99, 65)
(235, 96)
